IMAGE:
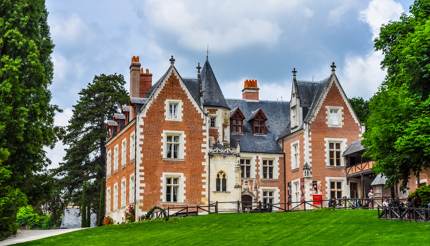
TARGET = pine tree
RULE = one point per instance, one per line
(86, 135)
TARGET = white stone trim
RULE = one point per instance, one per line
(132, 146)
(345, 190)
(115, 157)
(108, 200)
(124, 152)
(131, 189)
(108, 163)
(166, 109)
(275, 159)
(253, 158)
(276, 193)
(342, 149)
(297, 166)
(181, 189)
(115, 197)
(182, 144)
(123, 200)
(293, 191)
(339, 115)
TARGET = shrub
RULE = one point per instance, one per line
(421, 195)
(107, 220)
(27, 217)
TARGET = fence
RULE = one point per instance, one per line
(404, 213)
(259, 207)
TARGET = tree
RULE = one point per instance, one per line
(361, 108)
(398, 127)
(26, 115)
(86, 135)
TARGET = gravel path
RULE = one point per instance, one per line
(30, 235)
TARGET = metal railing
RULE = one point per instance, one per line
(403, 213)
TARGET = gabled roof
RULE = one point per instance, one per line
(212, 94)
(309, 94)
(354, 147)
(278, 118)
(236, 110)
(255, 113)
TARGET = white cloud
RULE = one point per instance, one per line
(223, 25)
(62, 119)
(268, 90)
(380, 12)
(69, 29)
(362, 74)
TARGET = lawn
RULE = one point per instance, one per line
(324, 227)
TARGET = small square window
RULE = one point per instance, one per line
(334, 117)
(212, 121)
(173, 110)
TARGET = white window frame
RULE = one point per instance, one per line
(131, 189)
(123, 193)
(123, 152)
(181, 147)
(210, 121)
(334, 120)
(273, 166)
(245, 166)
(222, 177)
(115, 196)
(342, 142)
(115, 157)
(266, 196)
(295, 160)
(181, 188)
(108, 200)
(132, 146)
(295, 191)
(108, 163)
(168, 115)
(336, 189)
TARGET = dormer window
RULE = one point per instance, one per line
(236, 122)
(258, 121)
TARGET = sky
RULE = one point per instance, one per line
(245, 39)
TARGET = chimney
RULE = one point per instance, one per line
(134, 76)
(145, 82)
(250, 90)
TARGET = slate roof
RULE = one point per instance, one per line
(309, 94)
(212, 94)
(380, 179)
(278, 118)
(354, 147)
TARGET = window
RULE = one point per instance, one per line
(334, 153)
(115, 196)
(295, 155)
(336, 189)
(173, 110)
(296, 191)
(172, 146)
(213, 121)
(236, 122)
(245, 168)
(259, 126)
(115, 158)
(172, 188)
(123, 193)
(108, 200)
(267, 169)
(221, 182)
(108, 163)
(131, 190)
(334, 116)
(268, 197)
(132, 146)
(123, 152)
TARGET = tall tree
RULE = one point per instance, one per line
(361, 108)
(398, 128)
(86, 137)
(26, 115)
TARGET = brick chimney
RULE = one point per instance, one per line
(134, 76)
(145, 82)
(250, 90)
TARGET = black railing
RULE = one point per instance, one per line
(403, 213)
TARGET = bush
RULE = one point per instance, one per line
(27, 217)
(46, 222)
(421, 195)
(107, 220)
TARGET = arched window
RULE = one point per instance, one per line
(221, 182)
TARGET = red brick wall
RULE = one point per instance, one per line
(153, 163)
(121, 172)
(320, 130)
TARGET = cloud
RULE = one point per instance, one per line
(362, 74)
(69, 28)
(222, 25)
(268, 90)
(380, 12)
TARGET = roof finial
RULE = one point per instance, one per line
(207, 52)
(294, 73)
(198, 68)
(172, 60)
(333, 67)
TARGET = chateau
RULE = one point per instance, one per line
(180, 141)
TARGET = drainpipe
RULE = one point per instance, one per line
(284, 175)
(209, 181)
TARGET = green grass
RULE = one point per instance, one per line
(324, 227)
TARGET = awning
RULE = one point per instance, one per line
(379, 180)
